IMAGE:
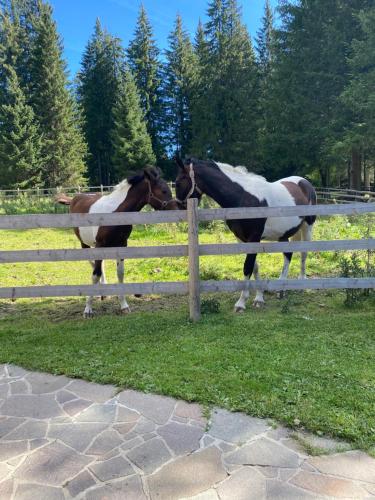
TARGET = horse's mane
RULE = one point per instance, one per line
(121, 186)
(240, 170)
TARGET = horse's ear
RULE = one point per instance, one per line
(152, 173)
(134, 179)
(179, 162)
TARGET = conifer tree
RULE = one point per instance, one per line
(99, 82)
(228, 105)
(20, 143)
(143, 56)
(180, 77)
(265, 40)
(63, 148)
(132, 148)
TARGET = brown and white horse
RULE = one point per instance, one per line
(131, 195)
(234, 187)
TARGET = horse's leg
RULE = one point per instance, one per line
(125, 309)
(248, 268)
(259, 297)
(103, 280)
(96, 275)
(284, 273)
(306, 235)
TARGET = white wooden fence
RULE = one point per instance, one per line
(193, 250)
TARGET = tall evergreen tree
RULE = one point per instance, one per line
(180, 77)
(99, 82)
(132, 148)
(265, 40)
(228, 106)
(63, 148)
(20, 142)
(143, 55)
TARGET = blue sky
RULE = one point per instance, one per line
(76, 19)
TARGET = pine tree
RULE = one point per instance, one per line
(20, 144)
(99, 82)
(265, 40)
(143, 55)
(63, 148)
(228, 104)
(180, 78)
(131, 142)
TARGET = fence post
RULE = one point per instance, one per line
(194, 283)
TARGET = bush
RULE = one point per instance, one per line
(351, 267)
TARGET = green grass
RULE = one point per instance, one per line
(307, 358)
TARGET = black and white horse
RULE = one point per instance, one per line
(234, 187)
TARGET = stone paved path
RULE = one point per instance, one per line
(63, 438)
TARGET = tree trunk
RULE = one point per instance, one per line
(356, 171)
(366, 175)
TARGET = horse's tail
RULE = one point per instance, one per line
(63, 199)
(310, 194)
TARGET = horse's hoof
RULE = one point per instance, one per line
(126, 310)
(258, 304)
(239, 310)
(138, 295)
(103, 297)
(88, 315)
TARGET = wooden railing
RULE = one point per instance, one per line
(193, 250)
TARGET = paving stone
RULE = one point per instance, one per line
(225, 447)
(104, 443)
(181, 438)
(37, 443)
(133, 443)
(150, 455)
(114, 468)
(329, 486)
(80, 483)
(3, 372)
(308, 467)
(126, 415)
(188, 410)
(78, 436)
(4, 471)
(246, 484)
(128, 489)
(279, 433)
(33, 406)
(286, 474)
(124, 428)
(181, 420)
(15, 462)
(6, 489)
(98, 413)
(206, 495)
(264, 452)
(4, 390)
(370, 488)
(276, 490)
(150, 435)
(32, 429)
(53, 465)
(329, 445)
(351, 465)
(8, 424)
(156, 408)
(43, 383)
(235, 427)
(294, 445)
(36, 491)
(64, 396)
(144, 426)
(271, 472)
(111, 454)
(12, 449)
(16, 371)
(192, 474)
(93, 392)
(72, 408)
(19, 387)
(207, 440)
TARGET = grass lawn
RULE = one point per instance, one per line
(307, 360)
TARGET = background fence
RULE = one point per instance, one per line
(193, 250)
(325, 195)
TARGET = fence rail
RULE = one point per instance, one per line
(193, 250)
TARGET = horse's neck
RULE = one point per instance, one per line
(135, 200)
(224, 191)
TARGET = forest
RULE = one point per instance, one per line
(296, 98)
